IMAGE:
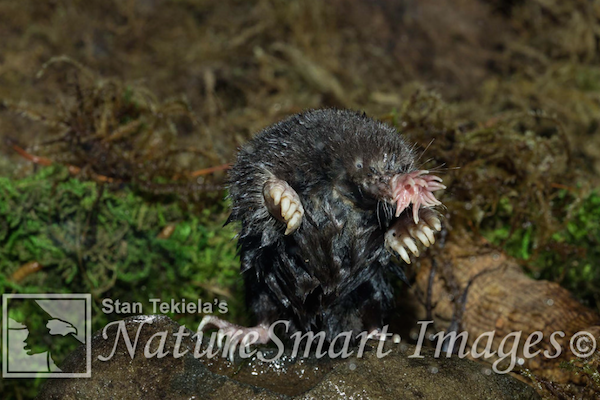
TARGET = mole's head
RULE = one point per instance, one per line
(378, 167)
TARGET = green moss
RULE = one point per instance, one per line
(109, 243)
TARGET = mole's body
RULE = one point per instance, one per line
(325, 199)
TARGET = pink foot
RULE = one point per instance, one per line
(236, 334)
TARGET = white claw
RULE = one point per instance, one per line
(412, 246)
(427, 230)
(291, 211)
(293, 223)
(436, 223)
(403, 254)
(203, 323)
(276, 193)
(422, 237)
(285, 205)
(220, 335)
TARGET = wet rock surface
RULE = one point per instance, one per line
(164, 366)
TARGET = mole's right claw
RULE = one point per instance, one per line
(283, 203)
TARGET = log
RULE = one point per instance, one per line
(476, 288)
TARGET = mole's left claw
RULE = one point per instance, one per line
(402, 235)
(432, 220)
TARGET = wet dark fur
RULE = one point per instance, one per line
(334, 273)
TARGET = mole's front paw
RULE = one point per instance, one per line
(283, 203)
(405, 234)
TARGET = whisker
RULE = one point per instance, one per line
(442, 168)
(425, 162)
(425, 150)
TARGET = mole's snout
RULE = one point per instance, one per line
(415, 188)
